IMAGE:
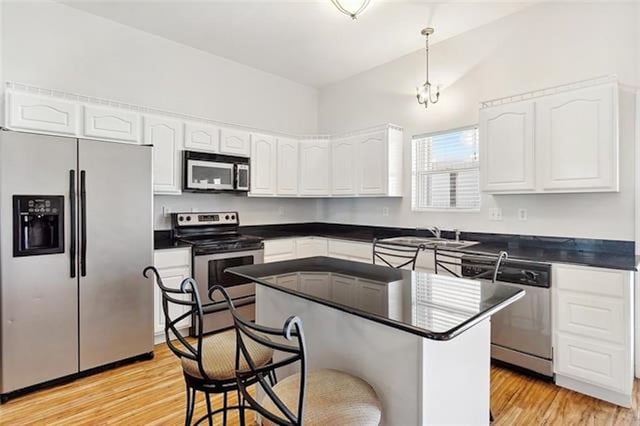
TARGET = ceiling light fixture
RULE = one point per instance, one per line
(353, 8)
(423, 93)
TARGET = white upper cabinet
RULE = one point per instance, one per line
(41, 114)
(372, 164)
(563, 142)
(577, 136)
(507, 154)
(111, 123)
(166, 137)
(343, 171)
(263, 164)
(314, 167)
(201, 137)
(287, 167)
(235, 142)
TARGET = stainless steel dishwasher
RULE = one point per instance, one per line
(521, 333)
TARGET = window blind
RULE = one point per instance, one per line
(446, 170)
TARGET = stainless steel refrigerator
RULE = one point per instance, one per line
(75, 234)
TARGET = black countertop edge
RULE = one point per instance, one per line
(610, 254)
(439, 336)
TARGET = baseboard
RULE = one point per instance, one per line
(613, 397)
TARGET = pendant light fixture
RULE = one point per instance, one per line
(352, 8)
(424, 92)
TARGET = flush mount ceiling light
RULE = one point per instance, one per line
(352, 8)
(424, 92)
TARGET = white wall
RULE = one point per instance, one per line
(542, 46)
(54, 46)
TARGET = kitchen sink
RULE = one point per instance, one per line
(429, 242)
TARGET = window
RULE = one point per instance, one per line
(446, 170)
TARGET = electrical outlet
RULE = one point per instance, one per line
(385, 211)
(495, 214)
(522, 214)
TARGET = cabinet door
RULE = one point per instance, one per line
(288, 281)
(172, 278)
(314, 167)
(351, 250)
(344, 290)
(201, 137)
(277, 250)
(372, 297)
(111, 123)
(372, 164)
(166, 136)
(316, 284)
(577, 137)
(41, 114)
(344, 157)
(263, 164)
(311, 246)
(287, 167)
(507, 153)
(235, 142)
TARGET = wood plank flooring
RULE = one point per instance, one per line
(152, 393)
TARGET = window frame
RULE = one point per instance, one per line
(414, 173)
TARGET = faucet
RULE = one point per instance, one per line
(435, 231)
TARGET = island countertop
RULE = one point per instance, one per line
(436, 307)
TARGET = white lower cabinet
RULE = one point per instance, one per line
(279, 249)
(174, 265)
(351, 250)
(311, 246)
(593, 326)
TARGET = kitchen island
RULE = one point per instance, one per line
(421, 340)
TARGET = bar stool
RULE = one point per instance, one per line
(395, 255)
(317, 397)
(209, 364)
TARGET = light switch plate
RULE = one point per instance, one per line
(385, 211)
(522, 214)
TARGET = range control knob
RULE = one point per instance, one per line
(227, 217)
(180, 218)
(233, 216)
(188, 218)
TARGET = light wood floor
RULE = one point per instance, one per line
(152, 393)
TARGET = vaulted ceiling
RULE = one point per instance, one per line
(307, 41)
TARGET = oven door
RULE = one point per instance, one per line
(209, 175)
(209, 270)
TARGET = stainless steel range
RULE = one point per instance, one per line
(216, 246)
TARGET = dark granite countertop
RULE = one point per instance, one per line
(610, 254)
(432, 306)
(164, 240)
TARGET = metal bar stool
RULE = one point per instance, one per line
(395, 255)
(317, 397)
(208, 364)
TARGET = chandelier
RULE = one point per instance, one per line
(424, 92)
(353, 8)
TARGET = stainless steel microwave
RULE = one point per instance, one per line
(214, 172)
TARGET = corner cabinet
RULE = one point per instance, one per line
(593, 331)
(166, 137)
(560, 143)
(314, 167)
(263, 164)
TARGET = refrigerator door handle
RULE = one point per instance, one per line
(72, 213)
(83, 223)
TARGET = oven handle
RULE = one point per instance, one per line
(222, 304)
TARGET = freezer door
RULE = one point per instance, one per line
(116, 301)
(38, 300)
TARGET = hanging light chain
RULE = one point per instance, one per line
(424, 93)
